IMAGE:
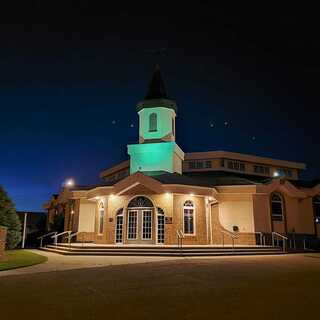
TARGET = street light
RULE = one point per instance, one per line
(69, 183)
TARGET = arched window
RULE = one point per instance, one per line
(140, 202)
(276, 207)
(316, 208)
(160, 225)
(101, 218)
(188, 218)
(153, 122)
(119, 225)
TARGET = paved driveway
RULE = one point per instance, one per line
(252, 287)
(57, 262)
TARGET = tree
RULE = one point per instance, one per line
(9, 219)
(58, 223)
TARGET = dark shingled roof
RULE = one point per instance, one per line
(207, 179)
(305, 184)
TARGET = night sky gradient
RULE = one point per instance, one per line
(71, 75)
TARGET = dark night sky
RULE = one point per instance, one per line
(67, 72)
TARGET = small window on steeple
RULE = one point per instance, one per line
(153, 122)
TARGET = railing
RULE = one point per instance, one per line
(262, 241)
(70, 236)
(46, 235)
(180, 237)
(231, 235)
(55, 237)
(275, 238)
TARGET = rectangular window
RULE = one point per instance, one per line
(188, 221)
(199, 165)
(160, 234)
(192, 165)
(119, 227)
(208, 164)
(147, 225)
(222, 162)
(235, 165)
(132, 225)
(261, 169)
(101, 219)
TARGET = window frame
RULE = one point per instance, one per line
(143, 224)
(193, 208)
(160, 216)
(316, 202)
(275, 217)
(137, 224)
(119, 214)
(101, 221)
(153, 122)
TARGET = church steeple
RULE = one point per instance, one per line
(156, 88)
(157, 149)
(157, 94)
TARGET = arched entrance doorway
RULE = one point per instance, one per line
(140, 221)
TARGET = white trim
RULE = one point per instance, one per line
(194, 218)
(101, 208)
(157, 224)
(128, 188)
(116, 227)
(137, 224)
(142, 217)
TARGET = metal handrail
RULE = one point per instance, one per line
(262, 238)
(277, 236)
(60, 234)
(45, 235)
(231, 235)
(180, 237)
(71, 235)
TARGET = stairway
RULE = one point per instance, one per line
(166, 251)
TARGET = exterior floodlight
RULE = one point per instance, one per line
(276, 174)
(69, 183)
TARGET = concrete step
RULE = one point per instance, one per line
(155, 252)
(162, 250)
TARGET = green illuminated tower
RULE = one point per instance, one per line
(157, 149)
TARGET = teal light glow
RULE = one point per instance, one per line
(163, 156)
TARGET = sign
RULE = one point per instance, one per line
(168, 220)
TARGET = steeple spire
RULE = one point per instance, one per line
(156, 88)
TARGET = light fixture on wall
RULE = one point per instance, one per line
(69, 183)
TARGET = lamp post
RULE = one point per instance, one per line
(24, 230)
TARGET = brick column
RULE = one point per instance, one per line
(3, 235)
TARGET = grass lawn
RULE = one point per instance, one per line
(20, 258)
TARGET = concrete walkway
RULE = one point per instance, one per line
(57, 262)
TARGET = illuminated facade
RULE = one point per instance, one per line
(207, 197)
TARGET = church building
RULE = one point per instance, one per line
(162, 194)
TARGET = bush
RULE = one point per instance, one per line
(9, 219)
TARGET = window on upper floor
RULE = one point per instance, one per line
(316, 208)
(276, 207)
(208, 164)
(235, 165)
(261, 169)
(153, 122)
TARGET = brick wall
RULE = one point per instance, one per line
(3, 234)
